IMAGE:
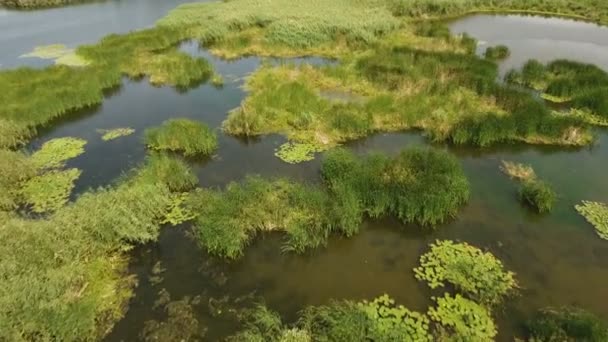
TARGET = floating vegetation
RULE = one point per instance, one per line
(538, 194)
(294, 153)
(497, 52)
(178, 212)
(567, 324)
(115, 133)
(477, 274)
(461, 319)
(520, 172)
(182, 135)
(597, 214)
(49, 191)
(54, 153)
(422, 186)
(181, 323)
(53, 51)
(157, 274)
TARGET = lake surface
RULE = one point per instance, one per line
(558, 258)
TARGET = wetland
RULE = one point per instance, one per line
(235, 175)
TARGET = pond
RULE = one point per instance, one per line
(557, 258)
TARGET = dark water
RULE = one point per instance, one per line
(557, 257)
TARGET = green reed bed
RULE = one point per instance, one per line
(185, 136)
(74, 262)
(422, 186)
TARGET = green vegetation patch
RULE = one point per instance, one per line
(597, 214)
(475, 273)
(461, 319)
(567, 324)
(48, 51)
(294, 153)
(538, 194)
(115, 133)
(181, 323)
(182, 135)
(54, 153)
(171, 68)
(15, 169)
(49, 191)
(497, 52)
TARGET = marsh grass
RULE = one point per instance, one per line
(596, 214)
(538, 195)
(172, 172)
(15, 169)
(49, 191)
(182, 135)
(115, 133)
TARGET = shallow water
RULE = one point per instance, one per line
(557, 257)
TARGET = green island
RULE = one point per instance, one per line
(389, 66)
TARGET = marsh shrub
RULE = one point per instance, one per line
(182, 135)
(567, 324)
(538, 194)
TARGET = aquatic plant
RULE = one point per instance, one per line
(178, 212)
(567, 324)
(538, 194)
(52, 51)
(49, 191)
(497, 52)
(426, 186)
(294, 153)
(55, 152)
(181, 323)
(520, 172)
(115, 133)
(461, 319)
(477, 274)
(172, 172)
(182, 135)
(597, 214)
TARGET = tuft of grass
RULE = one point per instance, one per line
(538, 194)
(50, 191)
(520, 172)
(115, 133)
(477, 274)
(169, 171)
(54, 153)
(497, 52)
(597, 214)
(182, 135)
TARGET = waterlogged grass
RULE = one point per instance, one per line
(567, 324)
(49, 191)
(184, 136)
(584, 86)
(538, 194)
(422, 186)
(115, 133)
(171, 68)
(476, 274)
(170, 171)
(597, 214)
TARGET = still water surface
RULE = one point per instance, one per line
(557, 257)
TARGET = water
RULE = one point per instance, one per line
(557, 257)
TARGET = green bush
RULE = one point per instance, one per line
(567, 324)
(182, 135)
(538, 194)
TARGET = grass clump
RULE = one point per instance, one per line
(476, 274)
(54, 153)
(597, 214)
(49, 191)
(182, 135)
(294, 153)
(538, 194)
(497, 52)
(115, 133)
(425, 186)
(461, 319)
(172, 172)
(567, 324)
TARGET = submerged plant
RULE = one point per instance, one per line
(538, 194)
(477, 274)
(463, 320)
(520, 172)
(115, 133)
(181, 323)
(49, 191)
(597, 214)
(567, 324)
(294, 153)
(54, 153)
(182, 135)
